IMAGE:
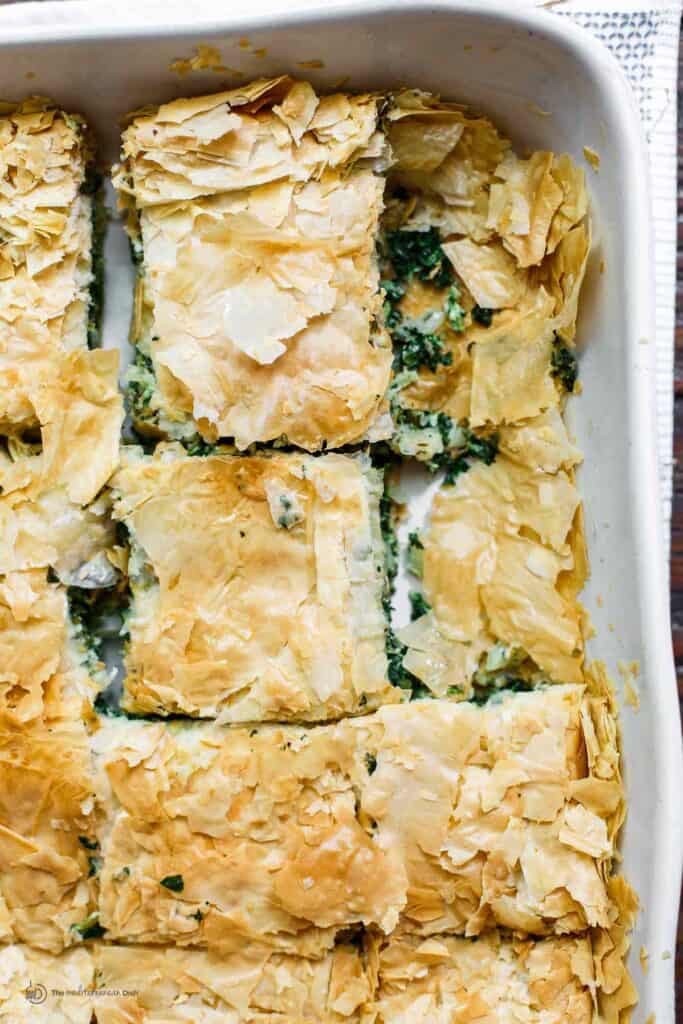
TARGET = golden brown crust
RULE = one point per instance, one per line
(495, 813)
(453, 979)
(258, 584)
(267, 131)
(260, 288)
(45, 240)
(617, 994)
(245, 987)
(578, 979)
(60, 414)
(41, 661)
(516, 235)
(40, 988)
(257, 830)
(47, 888)
(154, 985)
(457, 817)
(51, 510)
(497, 559)
(260, 597)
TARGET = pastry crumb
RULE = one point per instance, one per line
(592, 157)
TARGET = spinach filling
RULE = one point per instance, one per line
(563, 365)
(174, 883)
(416, 343)
(196, 445)
(419, 605)
(141, 386)
(97, 622)
(93, 186)
(415, 347)
(482, 315)
(431, 437)
(395, 650)
(90, 927)
(443, 446)
(506, 684)
(506, 668)
(81, 604)
(95, 615)
(455, 314)
(415, 554)
(419, 254)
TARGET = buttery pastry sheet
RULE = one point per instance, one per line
(60, 408)
(434, 981)
(45, 249)
(515, 243)
(54, 511)
(550, 981)
(60, 415)
(154, 985)
(47, 833)
(239, 988)
(40, 988)
(503, 559)
(255, 833)
(257, 316)
(505, 814)
(433, 816)
(43, 661)
(257, 585)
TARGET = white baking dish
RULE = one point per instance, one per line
(515, 67)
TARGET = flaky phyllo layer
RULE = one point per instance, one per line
(431, 817)
(257, 585)
(47, 811)
(380, 981)
(502, 559)
(45, 249)
(326, 874)
(484, 254)
(60, 408)
(255, 214)
(48, 841)
(60, 422)
(54, 505)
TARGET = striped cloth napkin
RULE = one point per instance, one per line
(644, 39)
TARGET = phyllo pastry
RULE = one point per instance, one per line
(444, 979)
(53, 511)
(503, 977)
(502, 560)
(40, 988)
(245, 987)
(437, 816)
(106, 984)
(237, 839)
(254, 215)
(48, 847)
(46, 249)
(504, 814)
(484, 254)
(257, 585)
(45, 665)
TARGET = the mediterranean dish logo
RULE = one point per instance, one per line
(37, 993)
